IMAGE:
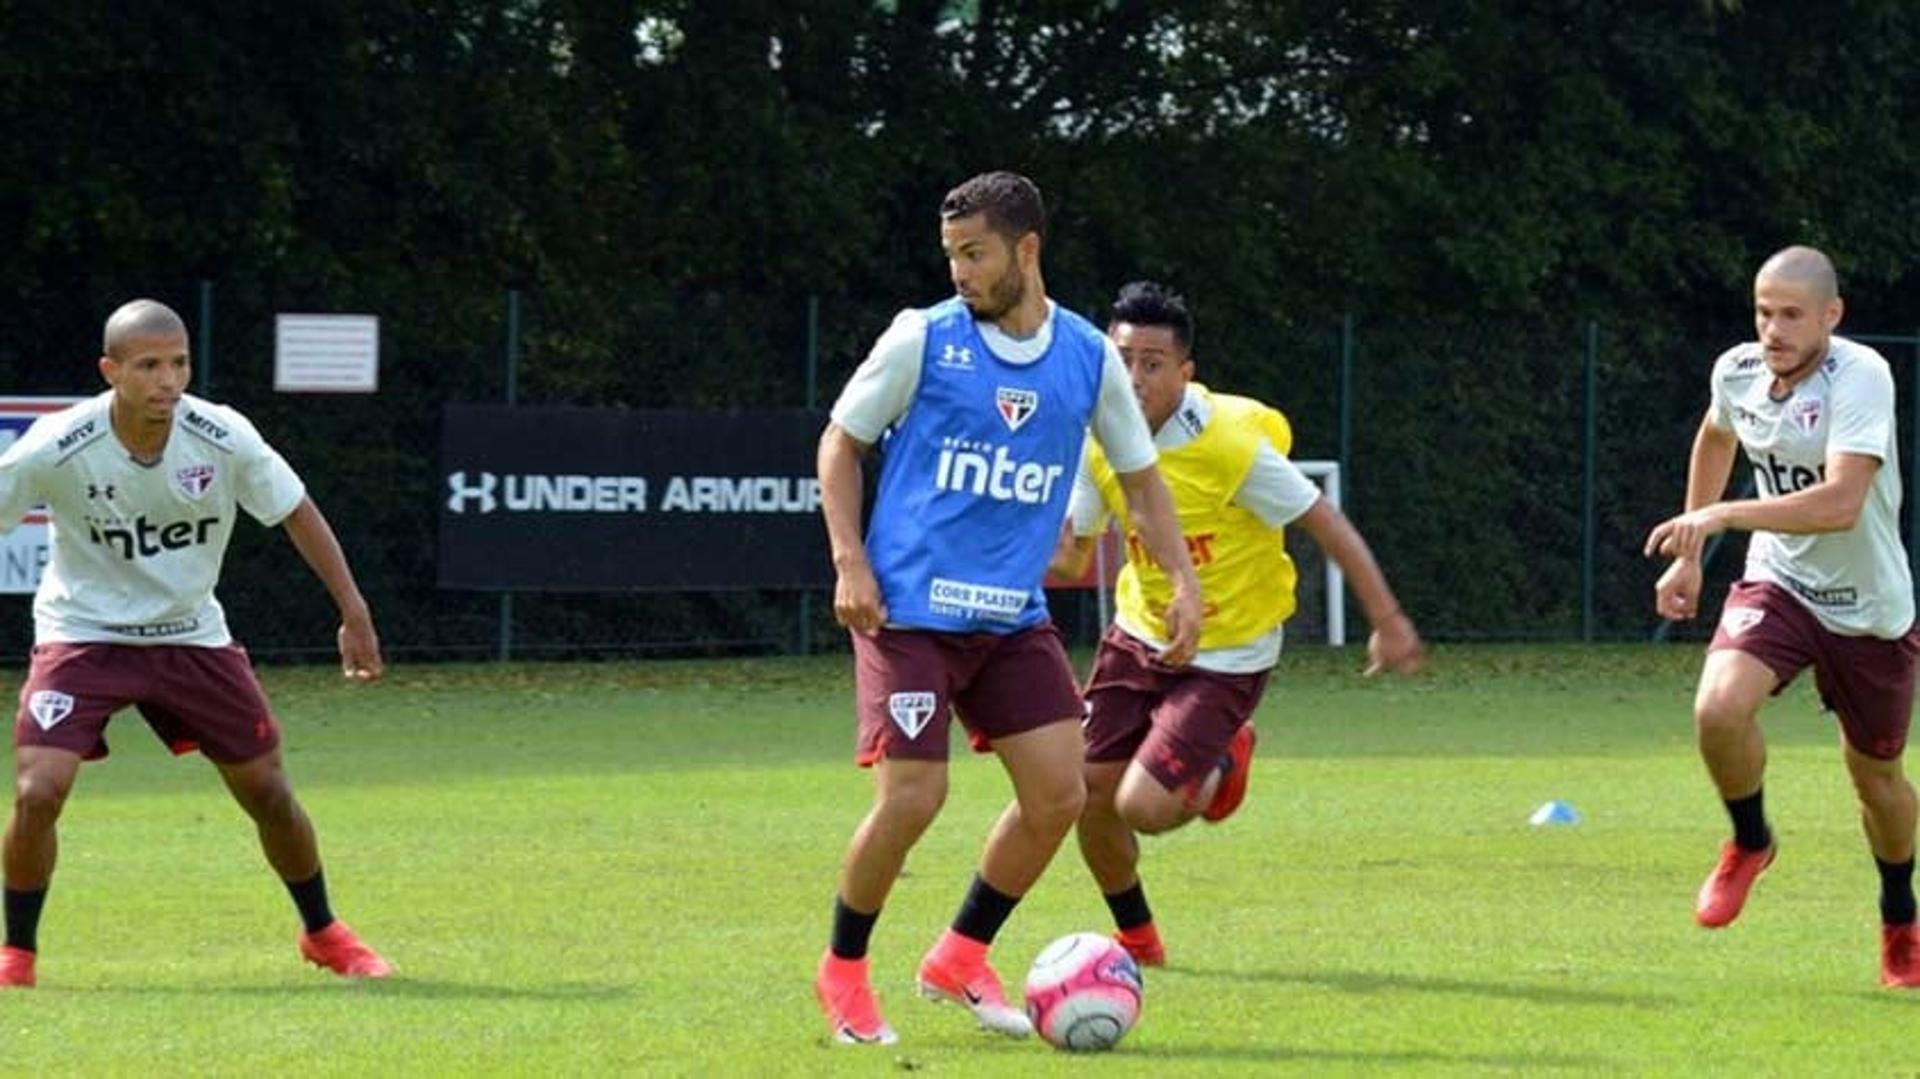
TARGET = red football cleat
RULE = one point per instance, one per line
(1900, 956)
(1726, 888)
(956, 970)
(1143, 943)
(845, 992)
(339, 950)
(16, 968)
(1233, 782)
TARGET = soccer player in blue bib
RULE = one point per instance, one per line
(984, 400)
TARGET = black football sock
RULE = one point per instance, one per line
(1750, 831)
(1129, 907)
(1896, 892)
(983, 912)
(23, 918)
(310, 896)
(851, 930)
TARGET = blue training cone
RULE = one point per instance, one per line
(1555, 812)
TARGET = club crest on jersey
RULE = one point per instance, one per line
(1738, 620)
(1016, 406)
(1805, 415)
(194, 480)
(49, 706)
(911, 711)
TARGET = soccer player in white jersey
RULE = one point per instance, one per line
(985, 400)
(1826, 585)
(143, 485)
(1164, 745)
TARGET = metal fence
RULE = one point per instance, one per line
(1504, 472)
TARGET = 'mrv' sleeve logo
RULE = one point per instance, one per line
(76, 436)
(198, 423)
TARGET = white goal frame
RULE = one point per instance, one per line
(1327, 473)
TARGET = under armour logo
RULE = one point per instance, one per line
(97, 491)
(461, 493)
(957, 356)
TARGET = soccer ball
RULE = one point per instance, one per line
(1083, 993)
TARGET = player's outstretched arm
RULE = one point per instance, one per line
(857, 603)
(1150, 507)
(1395, 644)
(314, 539)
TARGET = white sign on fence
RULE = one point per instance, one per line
(28, 547)
(326, 353)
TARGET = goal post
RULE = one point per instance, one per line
(1327, 474)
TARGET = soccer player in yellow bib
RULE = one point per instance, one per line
(1166, 744)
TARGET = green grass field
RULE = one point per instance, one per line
(627, 869)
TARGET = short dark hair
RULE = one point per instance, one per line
(1150, 303)
(1011, 202)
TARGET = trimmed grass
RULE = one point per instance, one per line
(627, 868)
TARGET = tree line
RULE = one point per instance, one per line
(669, 185)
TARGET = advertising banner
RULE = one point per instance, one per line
(25, 551)
(562, 498)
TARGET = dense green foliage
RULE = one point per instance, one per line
(667, 182)
(626, 869)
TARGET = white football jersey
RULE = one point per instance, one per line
(1855, 582)
(137, 548)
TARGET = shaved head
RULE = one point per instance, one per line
(1802, 266)
(139, 318)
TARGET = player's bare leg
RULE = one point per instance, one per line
(1107, 844)
(43, 778)
(1112, 853)
(1733, 685)
(907, 796)
(1726, 707)
(287, 838)
(1888, 809)
(1048, 795)
(286, 835)
(1149, 808)
(1887, 815)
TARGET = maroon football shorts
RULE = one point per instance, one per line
(1175, 721)
(908, 683)
(192, 698)
(1866, 681)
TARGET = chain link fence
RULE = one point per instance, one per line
(1504, 472)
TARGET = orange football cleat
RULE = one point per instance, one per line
(338, 949)
(956, 970)
(1726, 888)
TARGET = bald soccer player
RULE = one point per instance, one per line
(1826, 583)
(143, 485)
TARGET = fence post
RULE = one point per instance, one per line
(1589, 449)
(203, 348)
(1345, 454)
(813, 401)
(504, 650)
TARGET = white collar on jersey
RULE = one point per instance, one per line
(1187, 421)
(1018, 349)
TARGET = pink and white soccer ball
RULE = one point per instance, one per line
(1083, 993)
